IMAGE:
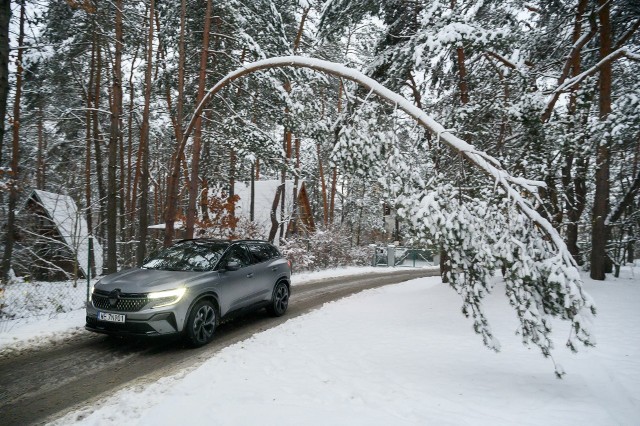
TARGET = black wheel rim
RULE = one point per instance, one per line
(204, 323)
(282, 298)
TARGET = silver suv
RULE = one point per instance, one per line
(188, 287)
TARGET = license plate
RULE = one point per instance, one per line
(106, 316)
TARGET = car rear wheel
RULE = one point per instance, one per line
(202, 323)
(279, 300)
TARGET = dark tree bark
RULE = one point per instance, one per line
(283, 173)
(323, 186)
(98, 141)
(15, 157)
(233, 159)
(599, 234)
(293, 227)
(274, 215)
(173, 177)
(253, 194)
(87, 164)
(144, 146)
(334, 172)
(575, 164)
(5, 17)
(41, 161)
(114, 138)
(194, 182)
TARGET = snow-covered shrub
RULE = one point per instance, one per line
(323, 249)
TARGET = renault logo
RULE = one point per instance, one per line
(113, 297)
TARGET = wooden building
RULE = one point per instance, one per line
(55, 238)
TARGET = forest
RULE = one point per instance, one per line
(96, 96)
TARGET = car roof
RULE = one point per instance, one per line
(216, 240)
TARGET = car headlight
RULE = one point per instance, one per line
(92, 287)
(165, 298)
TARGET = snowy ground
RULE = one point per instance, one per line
(402, 355)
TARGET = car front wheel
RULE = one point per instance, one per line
(279, 300)
(202, 323)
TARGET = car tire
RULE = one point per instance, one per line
(279, 300)
(202, 323)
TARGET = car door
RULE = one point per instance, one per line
(237, 289)
(267, 267)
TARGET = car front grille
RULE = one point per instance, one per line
(123, 303)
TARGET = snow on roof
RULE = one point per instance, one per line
(265, 192)
(72, 226)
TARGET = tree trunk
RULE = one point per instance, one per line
(576, 199)
(334, 172)
(5, 18)
(192, 211)
(287, 134)
(274, 216)
(323, 185)
(334, 189)
(98, 142)
(114, 138)
(292, 228)
(173, 177)
(599, 234)
(253, 194)
(143, 218)
(128, 191)
(232, 188)
(41, 160)
(204, 200)
(463, 86)
(574, 181)
(130, 179)
(283, 175)
(15, 157)
(88, 158)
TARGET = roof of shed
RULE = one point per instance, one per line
(71, 225)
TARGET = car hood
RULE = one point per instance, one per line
(139, 280)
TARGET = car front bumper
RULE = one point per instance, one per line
(143, 323)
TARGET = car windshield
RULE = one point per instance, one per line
(196, 256)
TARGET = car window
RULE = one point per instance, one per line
(260, 252)
(237, 253)
(274, 251)
(197, 256)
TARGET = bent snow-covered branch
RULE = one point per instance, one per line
(541, 277)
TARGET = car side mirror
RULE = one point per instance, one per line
(232, 266)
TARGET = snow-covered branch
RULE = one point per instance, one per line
(617, 211)
(499, 175)
(622, 52)
(542, 276)
(502, 59)
(571, 57)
